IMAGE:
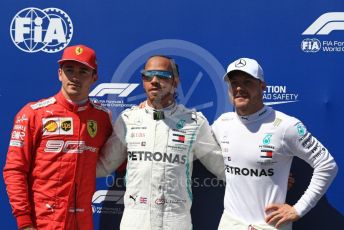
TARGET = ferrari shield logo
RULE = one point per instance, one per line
(92, 128)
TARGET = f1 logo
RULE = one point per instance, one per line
(326, 23)
(122, 89)
(108, 195)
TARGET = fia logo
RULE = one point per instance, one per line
(310, 45)
(48, 30)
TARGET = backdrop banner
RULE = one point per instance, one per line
(299, 44)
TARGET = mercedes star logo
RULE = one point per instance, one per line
(240, 63)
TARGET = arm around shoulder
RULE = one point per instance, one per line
(208, 150)
(114, 151)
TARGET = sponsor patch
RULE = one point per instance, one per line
(132, 197)
(57, 146)
(66, 125)
(178, 138)
(19, 128)
(43, 103)
(16, 143)
(161, 201)
(252, 172)
(57, 126)
(21, 119)
(266, 154)
(18, 135)
(156, 156)
(50, 126)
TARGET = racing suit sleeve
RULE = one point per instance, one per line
(302, 144)
(208, 151)
(114, 152)
(18, 165)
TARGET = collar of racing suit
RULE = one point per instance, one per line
(168, 111)
(255, 116)
(71, 106)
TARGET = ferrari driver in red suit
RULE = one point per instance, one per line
(51, 161)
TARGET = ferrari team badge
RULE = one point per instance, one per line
(78, 50)
(92, 128)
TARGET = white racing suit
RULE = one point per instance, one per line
(160, 156)
(258, 151)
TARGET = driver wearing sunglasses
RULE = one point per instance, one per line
(160, 80)
(160, 141)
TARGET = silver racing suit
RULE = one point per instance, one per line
(160, 156)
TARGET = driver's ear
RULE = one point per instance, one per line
(263, 85)
(175, 82)
(95, 76)
(59, 73)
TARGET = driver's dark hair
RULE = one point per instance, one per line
(174, 65)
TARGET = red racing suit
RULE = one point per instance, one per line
(50, 168)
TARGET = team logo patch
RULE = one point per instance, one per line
(301, 130)
(240, 63)
(78, 50)
(92, 128)
(267, 139)
(180, 124)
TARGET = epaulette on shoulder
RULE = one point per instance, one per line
(43, 103)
